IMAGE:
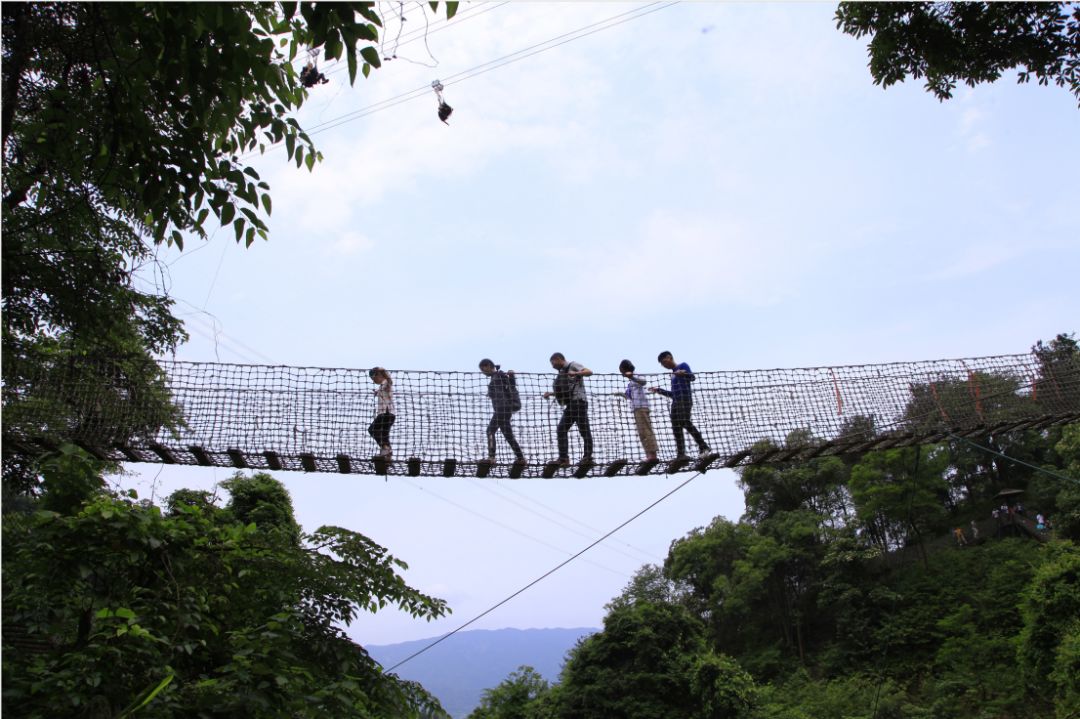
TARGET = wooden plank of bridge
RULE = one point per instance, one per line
(200, 455)
(343, 464)
(583, 469)
(380, 463)
(517, 469)
(549, 470)
(128, 452)
(164, 452)
(705, 461)
(412, 467)
(483, 468)
(676, 465)
(92, 449)
(614, 468)
(238, 459)
(646, 467)
(273, 461)
(307, 461)
(736, 458)
(449, 467)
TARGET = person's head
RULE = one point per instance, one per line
(558, 361)
(626, 366)
(378, 375)
(666, 360)
(487, 366)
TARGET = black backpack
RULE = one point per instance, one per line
(512, 395)
(563, 386)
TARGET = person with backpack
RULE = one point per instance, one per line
(639, 403)
(505, 400)
(682, 404)
(569, 391)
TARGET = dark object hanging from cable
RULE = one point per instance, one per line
(444, 110)
(310, 76)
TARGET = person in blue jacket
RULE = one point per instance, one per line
(682, 404)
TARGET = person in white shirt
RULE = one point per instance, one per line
(639, 403)
(384, 411)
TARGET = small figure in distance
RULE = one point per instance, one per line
(639, 403)
(569, 391)
(682, 404)
(384, 411)
(505, 400)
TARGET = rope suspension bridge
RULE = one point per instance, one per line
(316, 419)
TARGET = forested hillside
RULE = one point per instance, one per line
(876, 585)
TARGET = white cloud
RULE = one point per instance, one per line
(349, 244)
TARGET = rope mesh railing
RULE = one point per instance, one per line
(316, 419)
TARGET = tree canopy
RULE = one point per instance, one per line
(970, 42)
(207, 610)
(126, 125)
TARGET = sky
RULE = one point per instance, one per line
(724, 181)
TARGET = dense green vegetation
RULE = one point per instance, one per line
(844, 592)
(204, 610)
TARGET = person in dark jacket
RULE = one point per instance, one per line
(682, 404)
(500, 392)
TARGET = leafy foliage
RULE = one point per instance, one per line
(200, 610)
(970, 42)
(126, 125)
(516, 697)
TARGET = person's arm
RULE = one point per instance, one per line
(583, 372)
(658, 390)
(634, 378)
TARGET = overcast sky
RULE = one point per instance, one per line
(721, 180)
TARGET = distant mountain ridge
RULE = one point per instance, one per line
(458, 670)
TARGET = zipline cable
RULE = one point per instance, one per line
(507, 527)
(425, 90)
(557, 523)
(543, 576)
(549, 44)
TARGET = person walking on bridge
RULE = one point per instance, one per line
(639, 404)
(569, 391)
(384, 411)
(682, 404)
(505, 400)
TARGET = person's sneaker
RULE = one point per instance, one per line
(521, 460)
(705, 452)
(563, 462)
(680, 458)
(650, 456)
(587, 459)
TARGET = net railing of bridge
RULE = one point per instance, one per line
(318, 419)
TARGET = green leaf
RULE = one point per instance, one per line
(371, 56)
(350, 56)
(228, 210)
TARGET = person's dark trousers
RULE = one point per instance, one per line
(680, 420)
(500, 421)
(576, 412)
(380, 428)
